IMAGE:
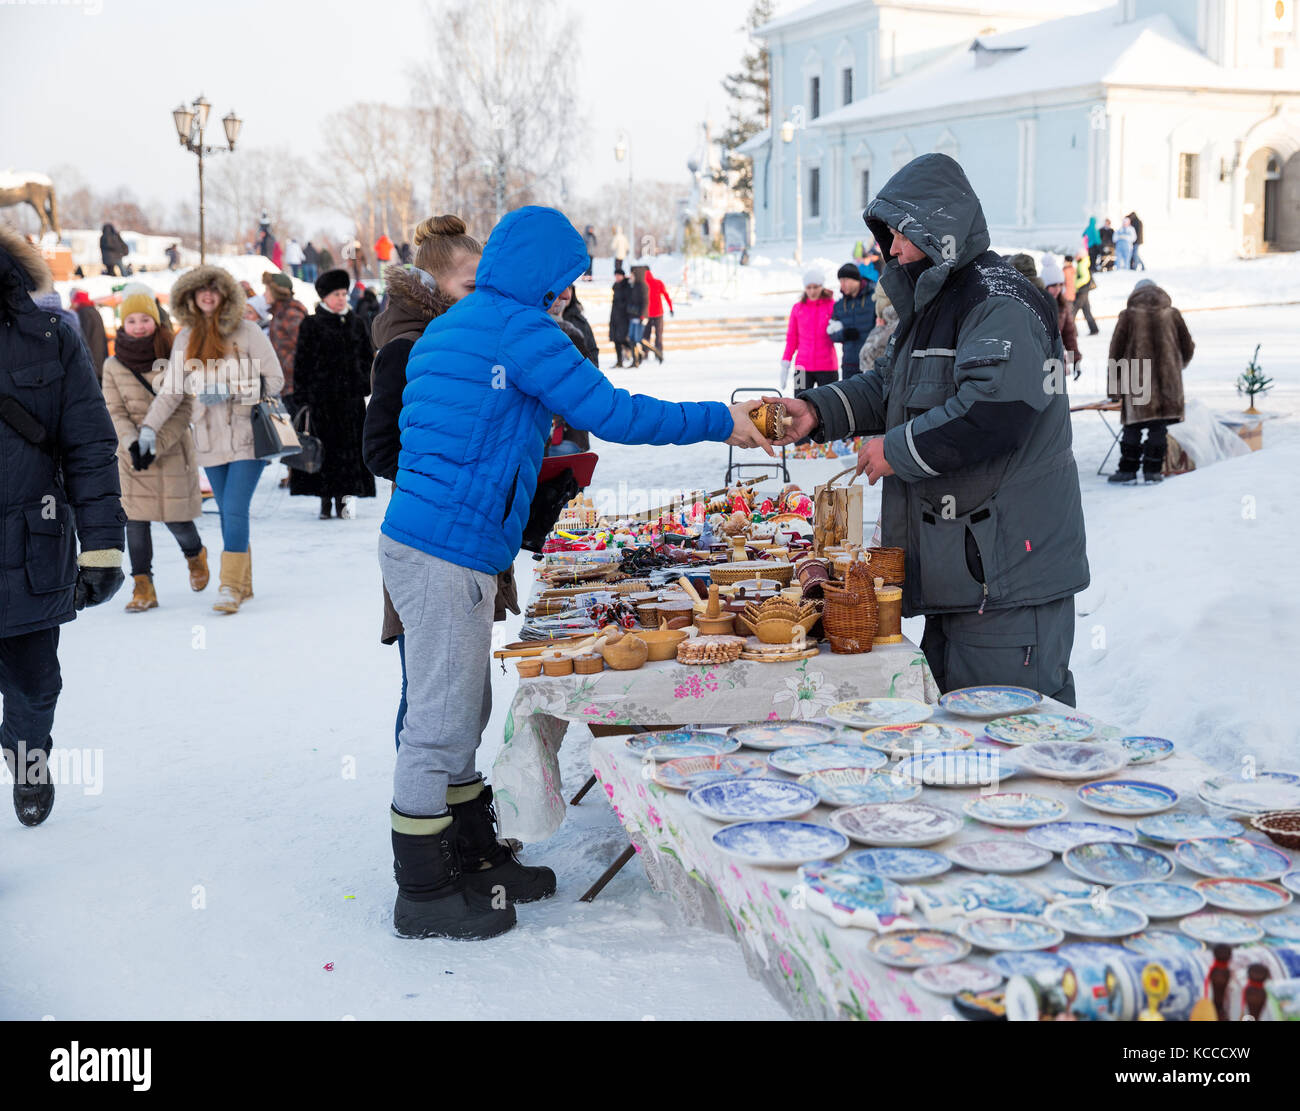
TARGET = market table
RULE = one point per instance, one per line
(813, 967)
(526, 776)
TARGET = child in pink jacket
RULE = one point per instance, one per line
(807, 344)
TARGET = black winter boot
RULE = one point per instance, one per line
(432, 897)
(489, 865)
(1126, 477)
(33, 802)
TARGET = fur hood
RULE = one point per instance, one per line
(27, 265)
(230, 313)
(412, 303)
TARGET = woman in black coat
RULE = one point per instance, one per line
(112, 250)
(618, 316)
(331, 378)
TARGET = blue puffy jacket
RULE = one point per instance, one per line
(482, 385)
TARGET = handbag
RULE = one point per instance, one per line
(312, 455)
(273, 432)
(837, 514)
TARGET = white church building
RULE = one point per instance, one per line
(1185, 111)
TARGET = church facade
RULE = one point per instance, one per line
(1185, 111)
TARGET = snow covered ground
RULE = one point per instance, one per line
(236, 840)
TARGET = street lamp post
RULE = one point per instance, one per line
(623, 152)
(790, 133)
(191, 124)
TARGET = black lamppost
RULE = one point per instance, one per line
(191, 124)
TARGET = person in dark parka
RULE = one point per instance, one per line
(853, 317)
(331, 377)
(971, 434)
(619, 314)
(58, 488)
(113, 250)
(92, 329)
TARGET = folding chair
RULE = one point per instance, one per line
(732, 465)
(1101, 408)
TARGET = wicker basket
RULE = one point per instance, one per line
(850, 616)
(557, 666)
(1282, 827)
(727, 573)
(887, 564)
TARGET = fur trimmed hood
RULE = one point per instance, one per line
(24, 263)
(412, 303)
(186, 312)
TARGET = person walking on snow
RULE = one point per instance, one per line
(656, 295)
(853, 318)
(970, 427)
(58, 489)
(1054, 284)
(1083, 286)
(384, 248)
(310, 262)
(294, 258)
(472, 445)
(1149, 350)
(620, 246)
(808, 345)
(1125, 238)
(158, 472)
(589, 237)
(619, 315)
(1135, 262)
(638, 299)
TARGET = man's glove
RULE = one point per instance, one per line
(785, 373)
(98, 577)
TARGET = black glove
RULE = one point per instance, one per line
(96, 585)
(548, 502)
(850, 334)
(140, 462)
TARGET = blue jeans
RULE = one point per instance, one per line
(635, 330)
(233, 485)
(308, 271)
(1136, 263)
(1123, 253)
(401, 706)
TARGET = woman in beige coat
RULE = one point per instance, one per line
(161, 483)
(229, 363)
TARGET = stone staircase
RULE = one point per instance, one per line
(684, 332)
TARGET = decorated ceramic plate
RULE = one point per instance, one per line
(1111, 862)
(852, 786)
(917, 948)
(1227, 928)
(1005, 856)
(900, 865)
(1087, 918)
(1169, 829)
(1023, 729)
(1001, 895)
(1146, 750)
(1291, 881)
(852, 898)
(863, 713)
(695, 771)
(1246, 896)
(900, 824)
(1127, 797)
(1065, 887)
(1059, 836)
(987, 702)
(675, 744)
(1015, 809)
(1232, 858)
(949, 979)
(1157, 899)
(1071, 759)
(905, 740)
(735, 800)
(802, 759)
(1284, 927)
(781, 734)
(982, 767)
(1161, 943)
(1011, 934)
(1264, 792)
(783, 844)
(1028, 963)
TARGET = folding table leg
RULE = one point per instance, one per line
(609, 873)
(591, 782)
(1114, 441)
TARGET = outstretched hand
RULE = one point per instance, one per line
(801, 418)
(744, 432)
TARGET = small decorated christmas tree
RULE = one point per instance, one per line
(1253, 381)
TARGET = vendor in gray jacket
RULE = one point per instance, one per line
(973, 441)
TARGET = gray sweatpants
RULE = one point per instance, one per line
(447, 613)
(1028, 646)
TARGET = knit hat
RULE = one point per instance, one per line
(848, 270)
(139, 302)
(1143, 283)
(331, 280)
(80, 297)
(814, 277)
(1052, 272)
(279, 286)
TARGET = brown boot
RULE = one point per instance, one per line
(143, 598)
(234, 572)
(198, 565)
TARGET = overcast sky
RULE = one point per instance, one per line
(92, 85)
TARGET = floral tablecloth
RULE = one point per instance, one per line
(813, 967)
(526, 777)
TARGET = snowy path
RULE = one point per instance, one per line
(225, 767)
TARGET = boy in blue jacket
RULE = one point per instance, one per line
(482, 385)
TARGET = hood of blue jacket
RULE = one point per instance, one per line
(532, 255)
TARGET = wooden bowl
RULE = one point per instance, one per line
(529, 668)
(625, 654)
(774, 631)
(556, 666)
(589, 663)
(662, 643)
(722, 625)
(1282, 827)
